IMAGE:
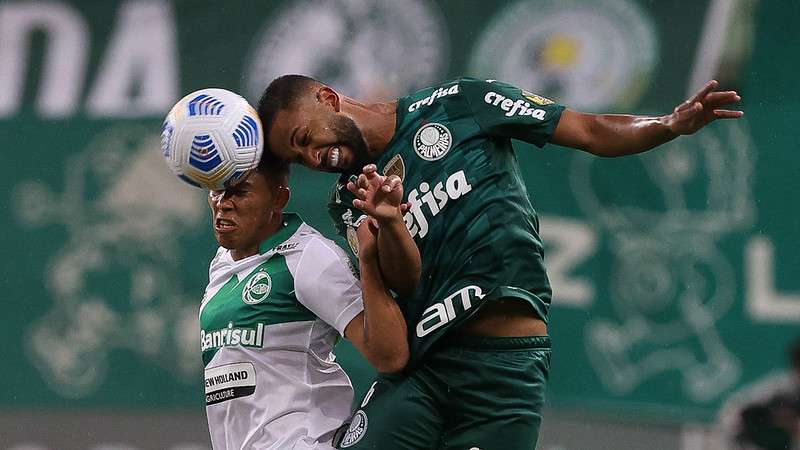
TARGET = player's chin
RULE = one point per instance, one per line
(225, 240)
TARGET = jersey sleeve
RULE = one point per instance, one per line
(346, 217)
(326, 284)
(501, 109)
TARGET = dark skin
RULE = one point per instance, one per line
(251, 211)
(247, 214)
(307, 134)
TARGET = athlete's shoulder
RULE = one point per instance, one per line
(455, 93)
(298, 241)
(494, 92)
(320, 260)
(321, 245)
(308, 241)
(430, 95)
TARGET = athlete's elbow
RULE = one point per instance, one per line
(391, 361)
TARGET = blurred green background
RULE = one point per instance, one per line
(675, 273)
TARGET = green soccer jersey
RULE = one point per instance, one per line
(268, 326)
(470, 215)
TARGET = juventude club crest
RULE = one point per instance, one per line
(257, 289)
(432, 141)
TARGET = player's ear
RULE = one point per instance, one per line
(328, 96)
(282, 195)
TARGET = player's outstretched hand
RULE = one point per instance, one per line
(703, 108)
(377, 195)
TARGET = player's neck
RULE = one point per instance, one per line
(377, 122)
(275, 224)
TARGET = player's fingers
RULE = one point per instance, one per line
(722, 98)
(352, 187)
(689, 108)
(370, 172)
(722, 94)
(394, 182)
(373, 178)
(390, 183)
(701, 94)
(727, 114)
(363, 206)
(404, 207)
(361, 194)
(690, 111)
(362, 181)
(392, 179)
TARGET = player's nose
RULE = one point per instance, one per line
(221, 202)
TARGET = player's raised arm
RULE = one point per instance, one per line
(618, 134)
(379, 332)
(364, 313)
(380, 198)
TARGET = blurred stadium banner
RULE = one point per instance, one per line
(675, 273)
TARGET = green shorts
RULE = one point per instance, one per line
(470, 393)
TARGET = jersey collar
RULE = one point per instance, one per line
(383, 158)
(291, 222)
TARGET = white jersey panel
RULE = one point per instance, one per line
(272, 381)
(325, 282)
(299, 398)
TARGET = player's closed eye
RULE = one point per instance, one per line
(228, 193)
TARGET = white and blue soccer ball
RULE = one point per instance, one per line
(212, 138)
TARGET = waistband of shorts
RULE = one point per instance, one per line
(498, 343)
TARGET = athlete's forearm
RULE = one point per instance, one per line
(399, 257)
(612, 135)
(385, 333)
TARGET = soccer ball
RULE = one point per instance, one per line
(212, 138)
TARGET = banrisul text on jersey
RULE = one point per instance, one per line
(268, 324)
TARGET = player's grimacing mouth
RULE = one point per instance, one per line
(332, 159)
(223, 225)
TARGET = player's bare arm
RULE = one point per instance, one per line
(379, 332)
(380, 198)
(619, 135)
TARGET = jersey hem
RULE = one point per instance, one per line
(539, 306)
(348, 314)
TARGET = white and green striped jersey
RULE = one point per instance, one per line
(268, 324)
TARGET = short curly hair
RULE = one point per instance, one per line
(282, 93)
